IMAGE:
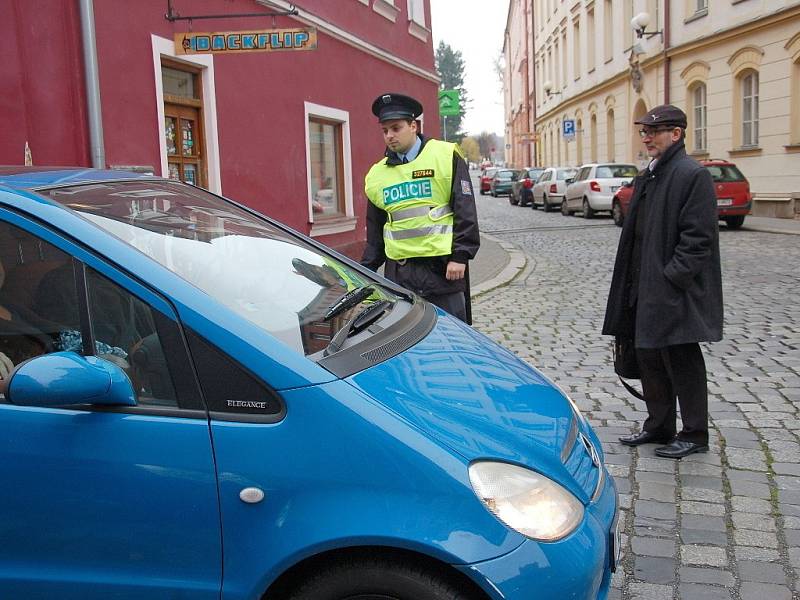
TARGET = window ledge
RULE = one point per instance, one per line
(386, 9)
(699, 154)
(792, 147)
(418, 30)
(698, 15)
(745, 151)
(332, 226)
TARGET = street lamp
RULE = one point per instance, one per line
(548, 89)
(640, 23)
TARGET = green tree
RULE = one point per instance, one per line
(450, 67)
(469, 146)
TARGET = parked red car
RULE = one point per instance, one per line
(486, 179)
(730, 185)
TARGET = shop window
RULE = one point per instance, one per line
(329, 169)
(183, 135)
(325, 144)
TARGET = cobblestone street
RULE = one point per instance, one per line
(721, 525)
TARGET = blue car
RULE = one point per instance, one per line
(199, 402)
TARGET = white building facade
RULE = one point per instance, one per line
(732, 65)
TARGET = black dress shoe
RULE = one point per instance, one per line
(680, 448)
(645, 437)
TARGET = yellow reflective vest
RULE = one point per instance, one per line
(416, 198)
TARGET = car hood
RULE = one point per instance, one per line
(478, 398)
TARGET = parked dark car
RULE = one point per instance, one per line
(522, 188)
(486, 179)
(730, 186)
(501, 182)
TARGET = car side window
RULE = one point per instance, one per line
(126, 333)
(26, 330)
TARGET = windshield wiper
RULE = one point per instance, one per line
(366, 316)
(348, 300)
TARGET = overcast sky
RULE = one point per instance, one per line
(475, 27)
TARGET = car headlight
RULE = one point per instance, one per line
(526, 501)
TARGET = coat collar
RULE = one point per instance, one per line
(677, 149)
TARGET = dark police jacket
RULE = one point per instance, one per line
(426, 275)
(680, 282)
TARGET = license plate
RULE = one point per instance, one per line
(724, 201)
(615, 545)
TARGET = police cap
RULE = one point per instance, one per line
(395, 106)
(665, 114)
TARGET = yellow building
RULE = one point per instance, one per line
(732, 65)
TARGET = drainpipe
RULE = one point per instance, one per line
(527, 101)
(93, 106)
(667, 57)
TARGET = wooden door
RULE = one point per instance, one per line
(185, 155)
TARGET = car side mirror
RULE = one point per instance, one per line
(67, 378)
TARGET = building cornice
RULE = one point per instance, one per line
(351, 40)
(719, 37)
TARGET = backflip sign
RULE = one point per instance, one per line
(266, 40)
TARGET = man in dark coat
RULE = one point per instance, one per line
(666, 290)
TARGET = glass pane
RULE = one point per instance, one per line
(325, 168)
(190, 173)
(126, 335)
(187, 138)
(169, 135)
(220, 248)
(38, 311)
(178, 83)
(175, 171)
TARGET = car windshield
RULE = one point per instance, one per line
(534, 173)
(725, 173)
(612, 171)
(563, 174)
(504, 174)
(258, 270)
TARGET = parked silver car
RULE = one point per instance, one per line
(548, 191)
(593, 189)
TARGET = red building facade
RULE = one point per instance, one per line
(288, 132)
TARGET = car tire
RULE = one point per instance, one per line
(616, 213)
(564, 208)
(512, 199)
(367, 578)
(533, 202)
(545, 204)
(734, 222)
(483, 193)
(588, 211)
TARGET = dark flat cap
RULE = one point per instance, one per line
(666, 114)
(396, 106)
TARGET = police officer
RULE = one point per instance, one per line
(421, 216)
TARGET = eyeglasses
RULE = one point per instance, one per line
(643, 133)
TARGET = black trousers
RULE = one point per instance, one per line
(454, 303)
(669, 372)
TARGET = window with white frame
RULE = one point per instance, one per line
(416, 11)
(701, 5)
(328, 166)
(699, 118)
(749, 83)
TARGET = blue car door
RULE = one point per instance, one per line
(101, 502)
